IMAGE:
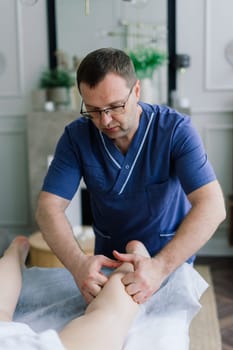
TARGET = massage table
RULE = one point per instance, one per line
(50, 298)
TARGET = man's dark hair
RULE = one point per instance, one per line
(97, 64)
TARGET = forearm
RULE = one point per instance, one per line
(58, 233)
(195, 230)
(191, 235)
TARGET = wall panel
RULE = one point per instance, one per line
(10, 50)
(218, 29)
(14, 209)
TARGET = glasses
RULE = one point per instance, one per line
(113, 110)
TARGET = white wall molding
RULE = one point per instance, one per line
(218, 245)
(10, 132)
(13, 122)
(13, 157)
(217, 134)
(209, 127)
(212, 110)
(23, 51)
(20, 46)
(11, 83)
(218, 140)
(218, 29)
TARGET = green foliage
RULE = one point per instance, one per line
(146, 60)
(56, 78)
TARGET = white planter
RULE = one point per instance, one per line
(60, 96)
(147, 93)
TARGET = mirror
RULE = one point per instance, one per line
(80, 26)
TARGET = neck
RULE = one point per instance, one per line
(122, 146)
(124, 142)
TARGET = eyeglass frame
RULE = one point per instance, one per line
(106, 110)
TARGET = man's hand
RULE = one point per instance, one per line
(89, 277)
(146, 278)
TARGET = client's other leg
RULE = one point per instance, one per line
(11, 265)
(108, 318)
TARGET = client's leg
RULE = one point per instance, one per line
(108, 318)
(11, 265)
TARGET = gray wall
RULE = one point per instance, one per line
(208, 84)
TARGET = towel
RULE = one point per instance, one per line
(50, 298)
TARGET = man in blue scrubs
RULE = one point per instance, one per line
(147, 174)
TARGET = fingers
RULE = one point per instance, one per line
(131, 285)
(91, 294)
(140, 298)
(128, 278)
(138, 284)
(92, 286)
(95, 280)
(135, 289)
(101, 279)
(131, 258)
(132, 289)
(88, 297)
(110, 263)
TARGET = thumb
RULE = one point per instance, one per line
(124, 257)
(110, 263)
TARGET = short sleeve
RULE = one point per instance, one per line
(63, 176)
(190, 159)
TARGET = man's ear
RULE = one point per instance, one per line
(137, 89)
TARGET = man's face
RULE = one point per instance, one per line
(120, 114)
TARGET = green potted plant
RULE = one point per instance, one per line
(57, 82)
(53, 78)
(146, 60)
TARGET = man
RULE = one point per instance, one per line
(148, 178)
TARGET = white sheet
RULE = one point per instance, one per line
(162, 322)
(18, 336)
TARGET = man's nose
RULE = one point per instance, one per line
(105, 117)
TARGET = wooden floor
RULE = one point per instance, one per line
(222, 275)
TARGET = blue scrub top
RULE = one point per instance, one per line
(140, 195)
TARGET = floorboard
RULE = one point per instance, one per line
(222, 275)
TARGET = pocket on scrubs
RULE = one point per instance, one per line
(166, 237)
(159, 197)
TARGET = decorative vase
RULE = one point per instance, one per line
(147, 90)
(75, 99)
(60, 96)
